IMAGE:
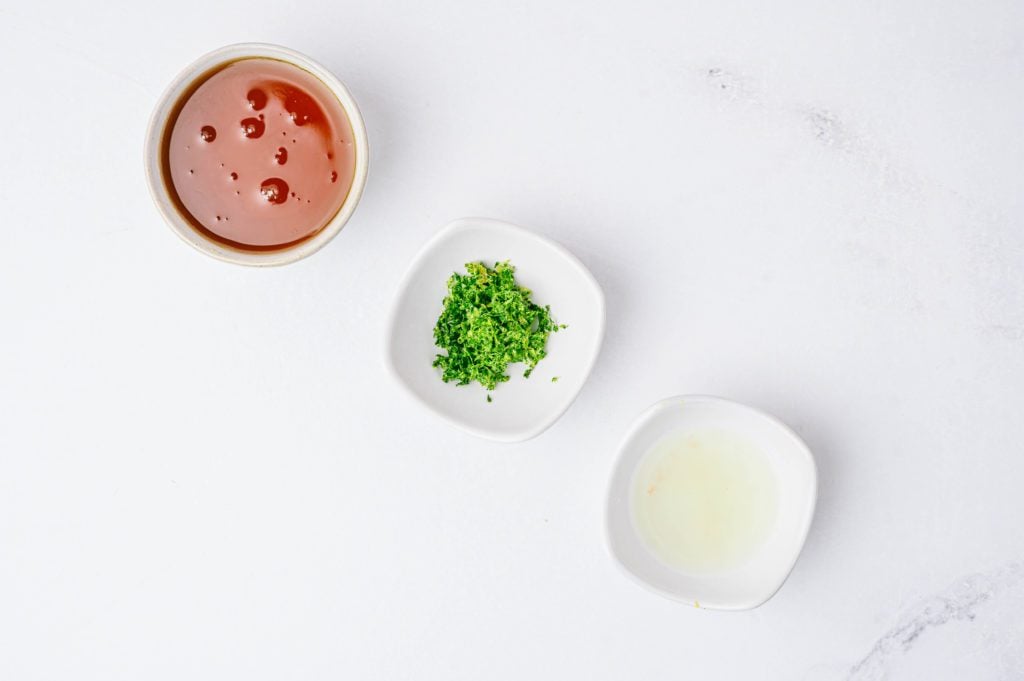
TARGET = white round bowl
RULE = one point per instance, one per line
(201, 69)
(755, 581)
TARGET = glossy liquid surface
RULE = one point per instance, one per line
(260, 155)
(704, 501)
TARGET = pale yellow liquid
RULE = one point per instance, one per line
(704, 501)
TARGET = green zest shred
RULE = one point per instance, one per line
(489, 322)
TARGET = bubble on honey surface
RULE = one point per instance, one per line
(257, 99)
(329, 156)
(301, 108)
(274, 190)
(281, 156)
(234, 176)
(253, 128)
(208, 133)
(334, 176)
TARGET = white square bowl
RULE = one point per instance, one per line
(522, 407)
(754, 582)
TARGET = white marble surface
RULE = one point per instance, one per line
(816, 208)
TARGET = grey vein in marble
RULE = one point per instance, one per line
(829, 129)
(825, 126)
(959, 602)
(733, 86)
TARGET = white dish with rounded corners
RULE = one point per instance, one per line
(159, 184)
(522, 407)
(754, 582)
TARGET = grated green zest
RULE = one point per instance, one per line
(487, 323)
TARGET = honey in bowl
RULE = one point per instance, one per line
(259, 155)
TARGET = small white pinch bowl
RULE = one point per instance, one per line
(522, 408)
(755, 581)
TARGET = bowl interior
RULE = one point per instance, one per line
(521, 407)
(756, 580)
